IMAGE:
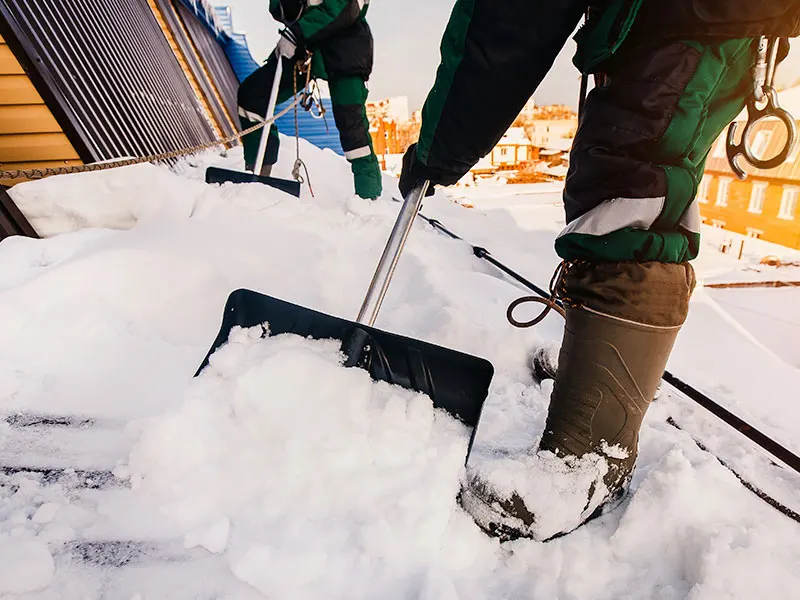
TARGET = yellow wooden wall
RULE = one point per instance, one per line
(30, 137)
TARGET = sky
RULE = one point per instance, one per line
(407, 36)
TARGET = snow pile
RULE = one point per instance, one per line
(279, 474)
(25, 565)
(558, 493)
(325, 482)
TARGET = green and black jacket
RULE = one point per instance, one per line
(677, 72)
(495, 53)
(336, 27)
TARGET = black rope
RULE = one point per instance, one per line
(767, 443)
(756, 490)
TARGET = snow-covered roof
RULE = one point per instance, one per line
(559, 144)
(515, 136)
(202, 517)
(559, 171)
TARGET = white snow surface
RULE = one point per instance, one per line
(278, 473)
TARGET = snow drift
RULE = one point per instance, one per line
(277, 473)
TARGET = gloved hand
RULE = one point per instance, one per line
(414, 173)
(287, 45)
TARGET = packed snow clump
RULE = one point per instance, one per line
(300, 469)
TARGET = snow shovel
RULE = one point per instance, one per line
(218, 175)
(456, 382)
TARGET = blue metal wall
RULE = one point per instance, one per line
(312, 129)
(235, 45)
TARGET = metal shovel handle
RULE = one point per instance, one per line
(273, 101)
(391, 254)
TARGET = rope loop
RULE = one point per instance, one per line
(556, 302)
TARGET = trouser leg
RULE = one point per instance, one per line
(349, 96)
(253, 100)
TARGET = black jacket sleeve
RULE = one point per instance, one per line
(494, 54)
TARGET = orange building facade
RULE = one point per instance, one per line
(767, 204)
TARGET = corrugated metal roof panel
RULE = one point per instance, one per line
(207, 15)
(225, 18)
(214, 58)
(178, 39)
(238, 53)
(108, 73)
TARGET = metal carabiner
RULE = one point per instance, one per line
(754, 116)
(763, 91)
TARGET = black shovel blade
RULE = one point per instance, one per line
(456, 382)
(217, 175)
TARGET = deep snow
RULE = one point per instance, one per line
(279, 474)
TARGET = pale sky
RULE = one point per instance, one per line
(407, 36)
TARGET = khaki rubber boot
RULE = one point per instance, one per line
(621, 324)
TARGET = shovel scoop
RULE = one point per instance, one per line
(219, 175)
(455, 382)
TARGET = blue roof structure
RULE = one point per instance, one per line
(207, 15)
(311, 129)
(235, 45)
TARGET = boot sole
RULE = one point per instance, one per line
(496, 524)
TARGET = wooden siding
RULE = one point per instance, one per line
(30, 137)
(736, 216)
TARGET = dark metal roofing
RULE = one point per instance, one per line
(179, 26)
(207, 15)
(213, 56)
(12, 221)
(108, 73)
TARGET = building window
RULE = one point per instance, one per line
(754, 233)
(788, 203)
(757, 197)
(702, 191)
(722, 191)
(760, 144)
(720, 150)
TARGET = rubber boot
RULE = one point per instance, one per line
(621, 324)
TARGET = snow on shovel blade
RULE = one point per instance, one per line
(456, 382)
(217, 175)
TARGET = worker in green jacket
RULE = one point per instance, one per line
(337, 33)
(670, 75)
